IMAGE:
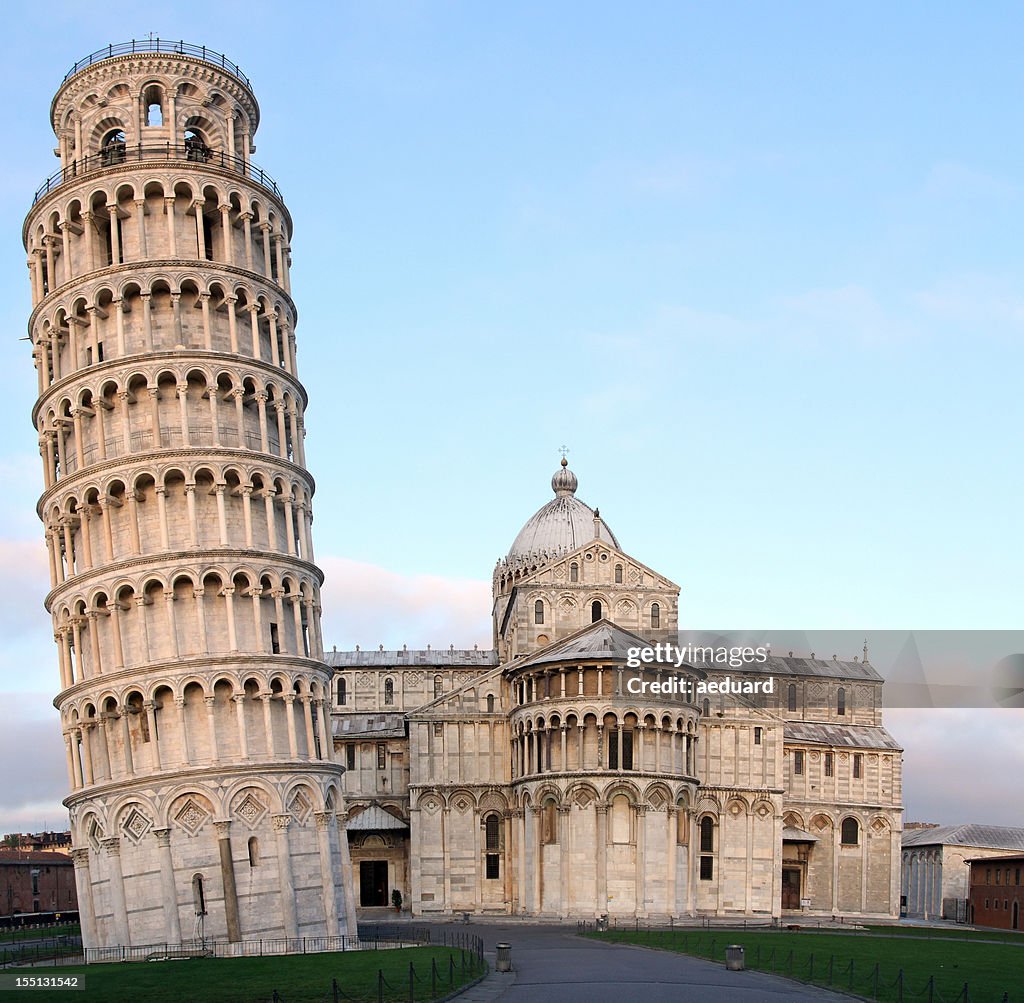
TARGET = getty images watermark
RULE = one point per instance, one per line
(676, 656)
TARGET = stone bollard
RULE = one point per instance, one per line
(503, 957)
(734, 958)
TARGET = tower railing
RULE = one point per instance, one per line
(119, 154)
(159, 45)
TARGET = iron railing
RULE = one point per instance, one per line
(125, 153)
(159, 45)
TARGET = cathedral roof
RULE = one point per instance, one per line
(995, 837)
(601, 640)
(853, 736)
(563, 524)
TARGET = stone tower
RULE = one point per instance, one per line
(205, 800)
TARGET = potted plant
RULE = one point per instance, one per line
(396, 900)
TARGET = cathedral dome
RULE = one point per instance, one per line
(563, 524)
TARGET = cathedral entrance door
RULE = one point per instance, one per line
(790, 887)
(373, 882)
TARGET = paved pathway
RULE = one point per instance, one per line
(552, 965)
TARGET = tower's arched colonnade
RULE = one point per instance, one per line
(177, 511)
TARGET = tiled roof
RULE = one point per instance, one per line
(368, 726)
(995, 837)
(433, 657)
(854, 736)
(375, 819)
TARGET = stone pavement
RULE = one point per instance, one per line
(552, 965)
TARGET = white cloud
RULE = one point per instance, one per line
(31, 737)
(368, 605)
(953, 762)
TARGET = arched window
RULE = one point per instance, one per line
(707, 848)
(438, 686)
(574, 572)
(791, 697)
(850, 832)
(490, 703)
(841, 701)
(618, 574)
(595, 611)
(705, 707)
(198, 895)
(152, 99)
(538, 611)
(655, 616)
(112, 148)
(492, 832)
(389, 691)
(254, 851)
(707, 834)
(195, 146)
(342, 692)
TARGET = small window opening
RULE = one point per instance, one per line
(841, 701)
(828, 764)
(850, 832)
(618, 574)
(389, 691)
(490, 703)
(758, 732)
(574, 572)
(655, 616)
(538, 611)
(595, 611)
(791, 697)
(342, 692)
(254, 851)
(198, 895)
(275, 639)
(350, 756)
(382, 756)
(798, 762)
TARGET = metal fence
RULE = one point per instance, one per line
(159, 45)
(118, 154)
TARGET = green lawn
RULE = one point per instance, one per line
(962, 933)
(988, 969)
(14, 933)
(297, 978)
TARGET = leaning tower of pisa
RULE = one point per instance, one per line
(205, 800)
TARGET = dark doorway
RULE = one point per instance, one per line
(790, 888)
(373, 882)
(1016, 915)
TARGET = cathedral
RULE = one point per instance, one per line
(542, 778)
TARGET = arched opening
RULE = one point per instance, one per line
(538, 611)
(254, 851)
(618, 574)
(152, 100)
(655, 616)
(850, 832)
(389, 691)
(198, 895)
(112, 149)
(595, 611)
(196, 147)
(707, 848)
(841, 701)
(574, 572)
(342, 692)
(791, 697)
(490, 703)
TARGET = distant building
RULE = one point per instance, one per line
(41, 842)
(935, 869)
(995, 891)
(36, 882)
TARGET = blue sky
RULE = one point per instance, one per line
(758, 266)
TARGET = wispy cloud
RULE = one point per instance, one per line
(368, 605)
